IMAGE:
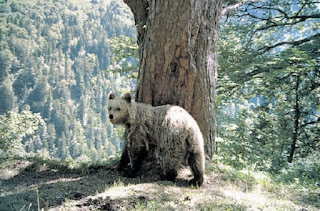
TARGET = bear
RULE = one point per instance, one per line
(170, 129)
(136, 149)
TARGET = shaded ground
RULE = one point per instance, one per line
(30, 185)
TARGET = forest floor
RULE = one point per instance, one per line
(35, 184)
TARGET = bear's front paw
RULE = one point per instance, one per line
(129, 174)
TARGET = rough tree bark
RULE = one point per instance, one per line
(178, 57)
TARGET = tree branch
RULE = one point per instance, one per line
(298, 42)
(233, 7)
(311, 123)
(297, 19)
(139, 8)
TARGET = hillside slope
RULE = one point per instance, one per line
(35, 184)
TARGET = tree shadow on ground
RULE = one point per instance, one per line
(50, 184)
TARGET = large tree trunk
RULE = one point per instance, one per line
(178, 63)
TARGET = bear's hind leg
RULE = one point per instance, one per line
(170, 168)
(196, 162)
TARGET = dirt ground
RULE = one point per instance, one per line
(30, 185)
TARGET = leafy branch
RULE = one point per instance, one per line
(16, 126)
(126, 54)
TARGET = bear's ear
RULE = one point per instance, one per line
(127, 97)
(111, 96)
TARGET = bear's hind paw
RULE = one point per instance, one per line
(195, 182)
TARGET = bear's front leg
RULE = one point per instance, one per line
(136, 157)
(124, 160)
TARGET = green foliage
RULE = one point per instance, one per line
(15, 127)
(246, 178)
(56, 61)
(126, 56)
(6, 97)
(6, 58)
(268, 89)
(303, 172)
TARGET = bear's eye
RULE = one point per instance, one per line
(118, 109)
(109, 108)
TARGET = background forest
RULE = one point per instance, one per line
(55, 77)
(269, 89)
(59, 60)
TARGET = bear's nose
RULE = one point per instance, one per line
(111, 116)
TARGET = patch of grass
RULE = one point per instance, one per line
(38, 163)
(147, 205)
(295, 192)
(187, 199)
(246, 179)
(222, 205)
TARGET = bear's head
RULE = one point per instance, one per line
(118, 108)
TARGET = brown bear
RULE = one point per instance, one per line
(171, 129)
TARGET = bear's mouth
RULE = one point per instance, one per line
(113, 121)
(118, 120)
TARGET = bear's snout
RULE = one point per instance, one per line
(110, 116)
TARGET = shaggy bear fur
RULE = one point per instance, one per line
(170, 129)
